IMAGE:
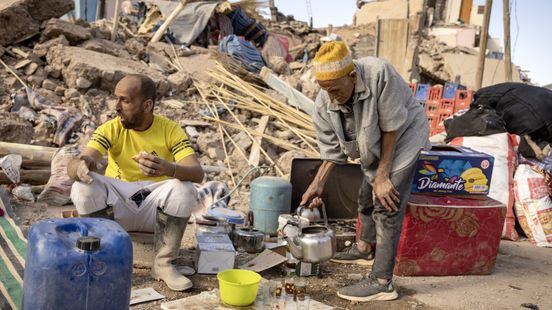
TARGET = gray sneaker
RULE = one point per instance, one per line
(352, 255)
(369, 289)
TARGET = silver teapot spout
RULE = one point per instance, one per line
(296, 250)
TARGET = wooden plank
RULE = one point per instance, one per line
(264, 261)
(32, 177)
(161, 31)
(20, 52)
(255, 155)
(32, 152)
(115, 20)
(22, 63)
(191, 122)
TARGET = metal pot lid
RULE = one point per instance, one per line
(249, 232)
(314, 230)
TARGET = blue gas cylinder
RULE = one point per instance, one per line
(269, 197)
(77, 263)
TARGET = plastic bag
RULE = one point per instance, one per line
(533, 205)
(11, 164)
(57, 190)
(23, 192)
(502, 147)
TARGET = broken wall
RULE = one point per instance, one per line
(21, 19)
(391, 9)
(454, 36)
(465, 66)
(397, 42)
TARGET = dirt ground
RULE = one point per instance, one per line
(522, 276)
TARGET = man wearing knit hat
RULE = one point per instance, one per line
(366, 111)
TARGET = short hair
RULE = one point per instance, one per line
(147, 87)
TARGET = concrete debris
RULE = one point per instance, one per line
(106, 47)
(15, 129)
(42, 49)
(83, 83)
(180, 81)
(21, 19)
(102, 70)
(72, 32)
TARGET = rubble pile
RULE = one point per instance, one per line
(64, 73)
(432, 64)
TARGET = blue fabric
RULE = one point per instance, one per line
(246, 26)
(242, 51)
(240, 21)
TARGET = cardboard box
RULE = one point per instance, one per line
(215, 253)
(453, 170)
(446, 236)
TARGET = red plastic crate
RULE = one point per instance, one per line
(433, 132)
(432, 120)
(432, 108)
(446, 106)
(463, 100)
(440, 124)
(412, 88)
(435, 93)
(461, 106)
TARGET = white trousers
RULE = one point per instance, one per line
(174, 197)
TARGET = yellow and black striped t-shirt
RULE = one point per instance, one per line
(164, 138)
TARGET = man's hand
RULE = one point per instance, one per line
(79, 168)
(384, 191)
(154, 166)
(313, 193)
(315, 189)
(82, 170)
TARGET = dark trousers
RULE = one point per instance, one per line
(382, 227)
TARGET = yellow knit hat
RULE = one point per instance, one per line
(332, 61)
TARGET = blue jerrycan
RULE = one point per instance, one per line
(77, 263)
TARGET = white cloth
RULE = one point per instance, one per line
(193, 19)
(174, 197)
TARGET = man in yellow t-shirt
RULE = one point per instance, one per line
(148, 182)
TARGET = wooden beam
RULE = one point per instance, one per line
(32, 152)
(116, 20)
(157, 36)
(255, 154)
(483, 44)
(32, 177)
(507, 54)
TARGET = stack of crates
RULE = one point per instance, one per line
(432, 105)
(450, 90)
(421, 93)
(463, 100)
(441, 102)
(412, 87)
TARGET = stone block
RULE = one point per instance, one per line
(15, 129)
(106, 47)
(180, 81)
(49, 84)
(41, 49)
(102, 70)
(74, 33)
(15, 22)
(215, 153)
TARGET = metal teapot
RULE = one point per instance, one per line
(315, 243)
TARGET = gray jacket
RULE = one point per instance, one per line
(382, 102)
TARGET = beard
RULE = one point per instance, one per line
(130, 122)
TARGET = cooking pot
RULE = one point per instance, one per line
(248, 239)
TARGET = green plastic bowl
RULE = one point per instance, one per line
(238, 287)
